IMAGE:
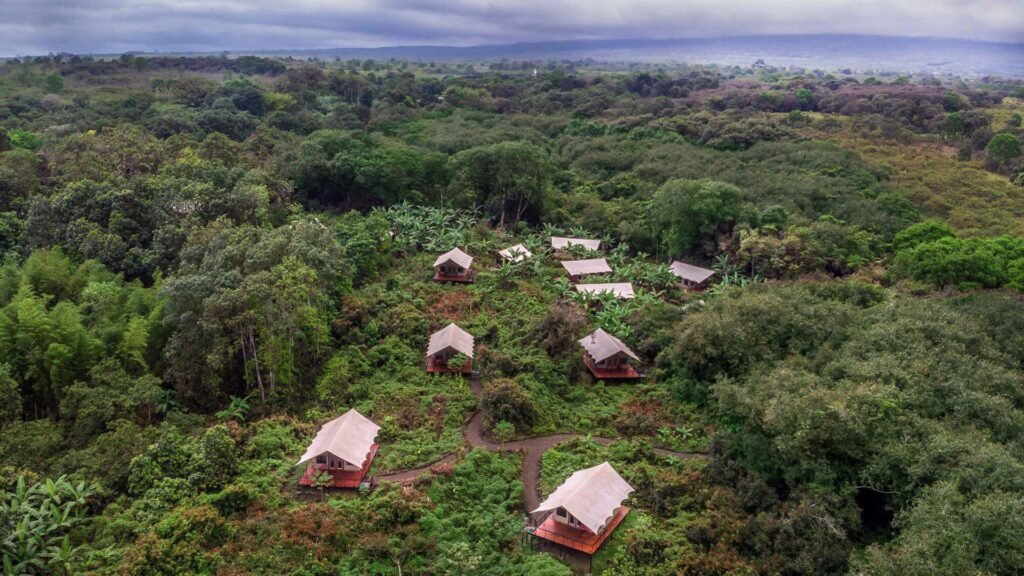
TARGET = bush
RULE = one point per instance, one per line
(963, 262)
(504, 431)
(35, 525)
(920, 233)
(214, 462)
(505, 401)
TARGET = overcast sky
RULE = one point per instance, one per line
(114, 26)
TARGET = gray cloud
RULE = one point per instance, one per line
(113, 26)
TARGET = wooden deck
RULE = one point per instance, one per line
(436, 367)
(626, 372)
(466, 278)
(342, 478)
(581, 540)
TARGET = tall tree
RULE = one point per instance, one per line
(687, 213)
(509, 178)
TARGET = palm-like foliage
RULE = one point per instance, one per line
(729, 275)
(550, 230)
(564, 288)
(237, 409)
(34, 525)
(617, 258)
(508, 272)
(432, 229)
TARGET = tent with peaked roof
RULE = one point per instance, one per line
(607, 357)
(350, 437)
(691, 276)
(453, 265)
(580, 268)
(591, 497)
(622, 290)
(452, 338)
(559, 242)
(444, 345)
(601, 346)
(516, 253)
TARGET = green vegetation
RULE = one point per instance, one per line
(202, 260)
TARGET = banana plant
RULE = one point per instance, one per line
(552, 230)
(564, 288)
(41, 516)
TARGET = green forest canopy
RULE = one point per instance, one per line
(204, 259)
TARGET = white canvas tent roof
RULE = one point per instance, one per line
(584, 267)
(591, 495)
(516, 253)
(349, 437)
(601, 345)
(455, 255)
(691, 273)
(558, 242)
(451, 336)
(619, 289)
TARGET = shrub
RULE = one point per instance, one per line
(35, 522)
(214, 462)
(504, 400)
(504, 431)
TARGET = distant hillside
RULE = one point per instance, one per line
(828, 52)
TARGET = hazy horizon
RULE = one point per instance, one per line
(31, 27)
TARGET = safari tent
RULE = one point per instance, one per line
(607, 357)
(454, 266)
(561, 243)
(622, 290)
(585, 510)
(691, 277)
(344, 449)
(445, 344)
(578, 269)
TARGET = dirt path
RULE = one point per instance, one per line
(532, 450)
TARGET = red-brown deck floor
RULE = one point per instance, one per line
(582, 540)
(626, 372)
(342, 478)
(461, 278)
(437, 367)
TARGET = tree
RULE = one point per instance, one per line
(354, 170)
(51, 102)
(952, 102)
(805, 98)
(109, 394)
(248, 309)
(1003, 149)
(10, 408)
(53, 84)
(508, 178)
(953, 126)
(920, 233)
(563, 325)
(46, 348)
(687, 214)
(109, 153)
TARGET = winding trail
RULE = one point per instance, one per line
(531, 448)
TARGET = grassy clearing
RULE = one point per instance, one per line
(974, 201)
